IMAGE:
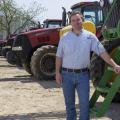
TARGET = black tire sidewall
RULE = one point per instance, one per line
(35, 61)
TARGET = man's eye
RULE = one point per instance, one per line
(73, 20)
(78, 20)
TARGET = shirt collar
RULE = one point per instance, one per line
(81, 31)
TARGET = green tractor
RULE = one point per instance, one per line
(111, 34)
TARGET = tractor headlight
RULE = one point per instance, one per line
(110, 1)
(102, 3)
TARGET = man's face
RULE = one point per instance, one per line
(76, 21)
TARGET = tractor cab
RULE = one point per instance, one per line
(52, 23)
(91, 11)
(48, 23)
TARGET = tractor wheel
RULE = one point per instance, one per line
(98, 66)
(10, 58)
(13, 59)
(26, 66)
(0, 52)
(43, 62)
(3, 52)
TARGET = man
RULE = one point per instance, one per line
(73, 55)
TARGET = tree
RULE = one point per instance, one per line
(12, 14)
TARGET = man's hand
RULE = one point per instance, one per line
(117, 69)
(105, 56)
(58, 78)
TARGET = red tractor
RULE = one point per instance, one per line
(27, 43)
(8, 45)
(12, 59)
(36, 49)
(2, 44)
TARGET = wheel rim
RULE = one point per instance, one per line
(47, 64)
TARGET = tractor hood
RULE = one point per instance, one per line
(88, 25)
(33, 39)
(2, 41)
(40, 31)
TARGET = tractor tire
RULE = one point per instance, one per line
(10, 58)
(13, 59)
(98, 66)
(0, 52)
(4, 52)
(26, 66)
(43, 62)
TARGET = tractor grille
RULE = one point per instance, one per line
(24, 42)
(17, 41)
(115, 15)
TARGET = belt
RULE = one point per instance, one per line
(76, 70)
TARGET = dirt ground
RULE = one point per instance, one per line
(24, 98)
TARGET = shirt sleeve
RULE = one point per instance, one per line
(96, 45)
(59, 52)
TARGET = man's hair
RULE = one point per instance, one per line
(75, 13)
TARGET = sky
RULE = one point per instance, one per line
(54, 7)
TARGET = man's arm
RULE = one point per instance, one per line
(99, 49)
(105, 56)
(58, 68)
(58, 64)
(59, 56)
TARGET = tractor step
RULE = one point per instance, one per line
(103, 89)
(93, 112)
(110, 93)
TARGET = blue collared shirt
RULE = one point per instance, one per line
(75, 50)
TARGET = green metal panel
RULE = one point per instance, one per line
(108, 15)
(100, 111)
(110, 34)
(113, 33)
(103, 89)
(116, 55)
(118, 29)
